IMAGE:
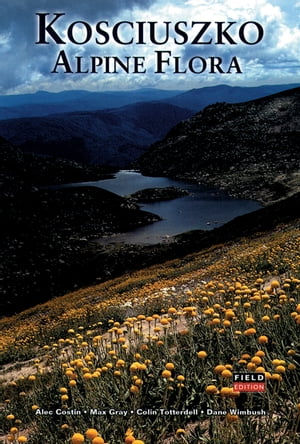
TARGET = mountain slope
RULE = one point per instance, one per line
(114, 137)
(250, 149)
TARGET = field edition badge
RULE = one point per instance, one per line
(249, 382)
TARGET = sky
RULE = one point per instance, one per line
(30, 50)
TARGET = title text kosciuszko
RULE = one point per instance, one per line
(54, 29)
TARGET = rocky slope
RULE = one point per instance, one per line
(250, 149)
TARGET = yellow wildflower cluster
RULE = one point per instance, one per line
(128, 352)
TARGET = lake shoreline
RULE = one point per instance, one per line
(48, 235)
(122, 258)
(182, 206)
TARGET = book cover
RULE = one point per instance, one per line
(149, 188)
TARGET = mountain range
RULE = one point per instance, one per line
(43, 103)
(113, 128)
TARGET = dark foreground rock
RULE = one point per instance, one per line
(45, 232)
(45, 239)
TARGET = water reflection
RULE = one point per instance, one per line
(204, 208)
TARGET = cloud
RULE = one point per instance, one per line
(26, 66)
(5, 45)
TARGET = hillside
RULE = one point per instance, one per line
(161, 345)
(250, 149)
(114, 137)
(45, 231)
(19, 169)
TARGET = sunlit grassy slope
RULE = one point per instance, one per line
(163, 340)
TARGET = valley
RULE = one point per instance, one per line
(48, 234)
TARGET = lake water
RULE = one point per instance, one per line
(204, 208)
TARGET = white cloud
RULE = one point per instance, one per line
(5, 42)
